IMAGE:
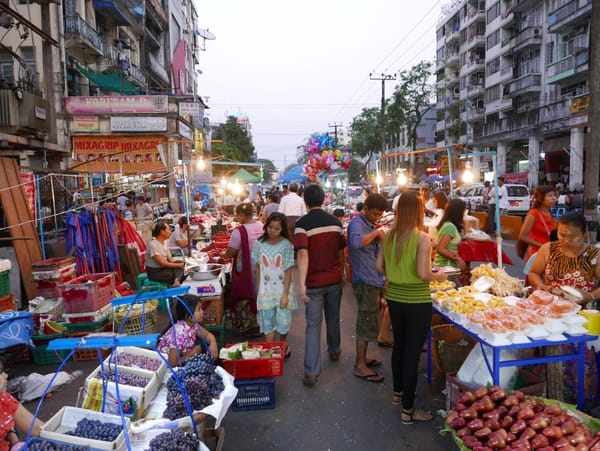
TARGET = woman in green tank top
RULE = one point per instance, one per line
(405, 259)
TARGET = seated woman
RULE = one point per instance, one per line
(160, 265)
(13, 415)
(569, 261)
(448, 235)
(186, 334)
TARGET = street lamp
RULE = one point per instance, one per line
(402, 180)
(467, 175)
(201, 165)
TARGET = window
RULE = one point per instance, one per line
(441, 54)
(493, 39)
(493, 66)
(440, 33)
(492, 94)
(6, 67)
(493, 12)
(28, 54)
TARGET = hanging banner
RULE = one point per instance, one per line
(117, 154)
(85, 124)
(28, 183)
(116, 104)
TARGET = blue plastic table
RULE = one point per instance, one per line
(576, 348)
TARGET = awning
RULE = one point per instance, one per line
(113, 82)
(245, 177)
(112, 10)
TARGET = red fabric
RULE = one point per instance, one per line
(242, 283)
(540, 231)
(8, 407)
(481, 251)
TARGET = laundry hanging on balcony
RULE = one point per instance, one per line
(113, 82)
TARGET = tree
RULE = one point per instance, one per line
(356, 171)
(236, 145)
(365, 133)
(268, 170)
(413, 97)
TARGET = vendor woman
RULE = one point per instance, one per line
(569, 261)
(160, 265)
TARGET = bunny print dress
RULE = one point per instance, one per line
(274, 260)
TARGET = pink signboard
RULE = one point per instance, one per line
(116, 104)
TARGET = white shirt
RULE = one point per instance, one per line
(503, 197)
(177, 234)
(292, 205)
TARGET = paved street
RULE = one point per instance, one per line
(341, 412)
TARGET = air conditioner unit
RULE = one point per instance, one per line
(537, 31)
(456, 91)
(480, 104)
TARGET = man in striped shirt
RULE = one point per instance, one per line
(319, 242)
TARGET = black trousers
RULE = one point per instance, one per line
(410, 324)
(167, 275)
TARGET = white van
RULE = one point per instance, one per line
(518, 198)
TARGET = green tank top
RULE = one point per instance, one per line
(404, 283)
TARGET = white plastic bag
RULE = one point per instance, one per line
(474, 371)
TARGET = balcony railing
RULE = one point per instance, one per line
(137, 74)
(568, 12)
(528, 37)
(526, 83)
(76, 25)
(568, 64)
(555, 111)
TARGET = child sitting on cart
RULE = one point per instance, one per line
(13, 415)
(185, 336)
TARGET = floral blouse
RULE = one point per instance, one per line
(185, 336)
(577, 272)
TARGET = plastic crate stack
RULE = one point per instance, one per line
(87, 308)
(6, 298)
(255, 378)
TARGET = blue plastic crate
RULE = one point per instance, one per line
(254, 394)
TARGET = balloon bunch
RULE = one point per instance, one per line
(323, 158)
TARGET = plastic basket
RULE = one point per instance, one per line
(41, 356)
(94, 326)
(88, 293)
(6, 303)
(133, 323)
(4, 284)
(89, 354)
(256, 368)
(254, 394)
(52, 264)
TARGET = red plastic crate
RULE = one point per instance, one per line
(88, 293)
(6, 303)
(257, 368)
(52, 264)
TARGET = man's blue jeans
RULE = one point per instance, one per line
(322, 299)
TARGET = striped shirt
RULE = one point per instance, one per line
(323, 236)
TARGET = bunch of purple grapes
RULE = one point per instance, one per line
(45, 445)
(132, 380)
(175, 440)
(198, 364)
(96, 430)
(139, 361)
(199, 397)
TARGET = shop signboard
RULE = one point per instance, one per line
(85, 124)
(117, 154)
(185, 131)
(138, 124)
(517, 177)
(189, 109)
(580, 104)
(116, 104)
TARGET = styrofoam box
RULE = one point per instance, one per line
(160, 373)
(142, 395)
(66, 420)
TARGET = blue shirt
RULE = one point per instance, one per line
(362, 258)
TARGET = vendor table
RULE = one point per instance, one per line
(481, 251)
(577, 345)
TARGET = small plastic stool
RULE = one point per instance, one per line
(144, 285)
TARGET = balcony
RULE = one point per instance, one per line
(555, 116)
(572, 65)
(157, 69)
(151, 40)
(473, 65)
(453, 35)
(452, 59)
(115, 10)
(475, 41)
(476, 114)
(518, 126)
(574, 13)
(475, 15)
(530, 37)
(81, 40)
(156, 12)
(507, 17)
(137, 75)
(27, 116)
(521, 6)
(530, 83)
(108, 60)
(440, 63)
(475, 90)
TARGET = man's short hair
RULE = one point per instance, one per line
(294, 187)
(314, 196)
(501, 178)
(376, 202)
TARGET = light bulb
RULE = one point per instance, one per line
(327, 184)
(338, 184)
(378, 179)
(467, 176)
(223, 181)
(201, 165)
(402, 179)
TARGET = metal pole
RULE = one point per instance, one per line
(498, 231)
(41, 220)
(450, 170)
(53, 202)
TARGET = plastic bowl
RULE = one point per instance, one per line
(207, 272)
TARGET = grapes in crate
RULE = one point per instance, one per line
(175, 440)
(96, 430)
(137, 361)
(45, 445)
(132, 380)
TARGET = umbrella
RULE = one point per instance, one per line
(294, 174)
(245, 177)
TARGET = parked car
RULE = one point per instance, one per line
(518, 198)
(355, 194)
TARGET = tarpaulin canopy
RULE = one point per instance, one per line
(294, 174)
(113, 82)
(245, 177)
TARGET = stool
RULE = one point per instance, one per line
(144, 285)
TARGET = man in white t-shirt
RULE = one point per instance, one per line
(502, 196)
(292, 206)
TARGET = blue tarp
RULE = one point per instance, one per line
(294, 174)
(15, 328)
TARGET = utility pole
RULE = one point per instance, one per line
(335, 126)
(591, 155)
(383, 78)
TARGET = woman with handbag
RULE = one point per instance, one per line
(243, 291)
(538, 224)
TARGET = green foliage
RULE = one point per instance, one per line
(268, 169)
(365, 133)
(236, 145)
(356, 171)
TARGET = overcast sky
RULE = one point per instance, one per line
(294, 68)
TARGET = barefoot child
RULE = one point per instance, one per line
(185, 334)
(273, 254)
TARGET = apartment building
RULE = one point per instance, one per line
(512, 77)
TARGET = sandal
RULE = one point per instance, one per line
(287, 353)
(373, 377)
(410, 416)
(397, 398)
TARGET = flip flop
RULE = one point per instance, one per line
(288, 353)
(374, 377)
(415, 416)
(374, 363)
(385, 344)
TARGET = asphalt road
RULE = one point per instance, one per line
(341, 412)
